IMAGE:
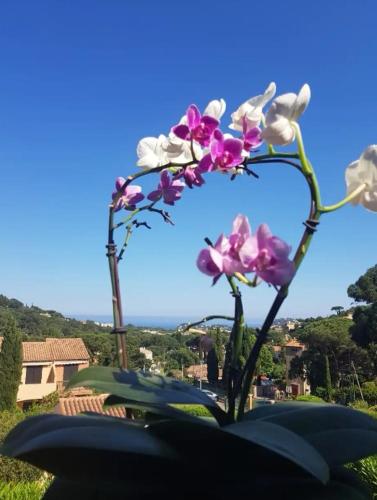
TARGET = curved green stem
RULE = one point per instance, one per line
(244, 382)
(306, 167)
(347, 199)
(242, 279)
(205, 319)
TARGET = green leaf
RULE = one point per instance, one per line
(160, 410)
(144, 388)
(340, 434)
(238, 449)
(283, 442)
(267, 487)
(84, 446)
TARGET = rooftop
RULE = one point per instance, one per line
(74, 405)
(69, 349)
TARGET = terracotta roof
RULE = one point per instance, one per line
(74, 405)
(36, 351)
(70, 349)
(67, 349)
(294, 343)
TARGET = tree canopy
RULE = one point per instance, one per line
(365, 288)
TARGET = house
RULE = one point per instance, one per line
(47, 366)
(147, 353)
(296, 386)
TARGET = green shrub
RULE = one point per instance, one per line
(320, 392)
(359, 404)
(310, 398)
(195, 410)
(344, 395)
(23, 490)
(370, 392)
(14, 470)
(45, 405)
(367, 470)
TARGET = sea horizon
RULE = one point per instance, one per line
(165, 322)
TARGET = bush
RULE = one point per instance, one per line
(359, 404)
(23, 491)
(370, 392)
(310, 398)
(195, 410)
(344, 395)
(45, 405)
(367, 470)
(14, 470)
(10, 469)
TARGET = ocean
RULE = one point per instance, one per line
(166, 322)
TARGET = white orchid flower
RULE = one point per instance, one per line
(151, 153)
(157, 151)
(215, 108)
(252, 110)
(179, 151)
(364, 172)
(285, 110)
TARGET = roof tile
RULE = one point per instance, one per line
(74, 405)
(69, 349)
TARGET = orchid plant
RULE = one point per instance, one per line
(301, 440)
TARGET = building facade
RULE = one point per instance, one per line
(47, 366)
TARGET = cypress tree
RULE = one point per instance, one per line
(10, 364)
(327, 380)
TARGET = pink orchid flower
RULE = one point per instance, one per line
(211, 260)
(224, 154)
(267, 256)
(191, 176)
(197, 127)
(251, 136)
(264, 254)
(130, 195)
(168, 189)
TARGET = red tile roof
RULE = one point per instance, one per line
(75, 405)
(69, 349)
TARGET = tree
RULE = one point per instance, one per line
(10, 364)
(364, 330)
(330, 337)
(365, 288)
(212, 367)
(328, 386)
(338, 309)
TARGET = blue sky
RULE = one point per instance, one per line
(81, 82)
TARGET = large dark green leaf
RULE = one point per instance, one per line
(277, 408)
(84, 446)
(340, 434)
(241, 448)
(164, 411)
(144, 388)
(211, 488)
(284, 443)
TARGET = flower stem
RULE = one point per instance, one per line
(306, 167)
(232, 365)
(244, 381)
(205, 319)
(116, 296)
(242, 278)
(347, 199)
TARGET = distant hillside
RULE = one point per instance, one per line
(35, 322)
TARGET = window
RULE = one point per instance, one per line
(33, 375)
(69, 371)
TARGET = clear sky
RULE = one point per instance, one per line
(81, 82)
